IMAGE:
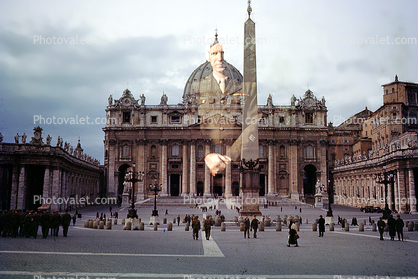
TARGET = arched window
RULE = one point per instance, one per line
(260, 151)
(200, 151)
(218, 149)
(309, 152)
(153, 151)
(282, 151)
(125, 151)
(175, 150)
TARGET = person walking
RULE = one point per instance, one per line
(178, 220)
(254, 225)
(196, 227)
(66, 221)
(207, 224)
(392, 227)
(246, 227)
(321, 223)
(399, 227)
(293, 235)
(381, 226)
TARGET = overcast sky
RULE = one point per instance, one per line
(342, 50)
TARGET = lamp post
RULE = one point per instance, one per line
(133, 176)
(387, 179)
(155, 188)
(330, 193)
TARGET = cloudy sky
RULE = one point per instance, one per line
(342, 50)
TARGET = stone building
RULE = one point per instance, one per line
(35, 173)
(386, 144)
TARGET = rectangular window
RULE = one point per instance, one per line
(175, 119)
(174, 166)
(309, 118)
(333, 141)
(153, 119)
(346, 141)
(200, 166)
(126, 116)
(281, 119)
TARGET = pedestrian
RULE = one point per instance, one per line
(254, 225)
(381, 226)
(207, 224)
(370, 220)
(74, 219)
(321, 223)
(247, 227)
(166, 211)
(178, 220)
(45, 223)
(399, 227)
(56, 221)
(342, 222)
(66, 221)
(392, 227)
(293, 235)
(196, 228)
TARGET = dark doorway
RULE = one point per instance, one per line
(174, 185)
(309, 180)
(122, 173)
(235, 188)
(200, 188)
(5, 186)
(34, 186)
(262, 185)
(217, 185)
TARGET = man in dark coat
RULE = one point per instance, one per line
(45, 223)
(399, 227)
(66, 221)
(56, 222)
(196, 227)
(321, 223)
(246, 227)
(254, 225)
(392, 227)
(381, 226)
(207, 224)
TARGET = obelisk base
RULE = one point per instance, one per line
(250, 192)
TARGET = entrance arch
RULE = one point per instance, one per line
(199, 188)
(218, 185)
(309, 180)
(174, 185)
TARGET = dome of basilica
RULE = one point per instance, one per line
(196, 84)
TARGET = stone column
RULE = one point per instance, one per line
(46, 192)
(15, 185)
(184, 191)
(389, 195)
(141, 166)
(271, 177)
(206, 191)
(163, 178)
(228, 174)
(192, 168)
(412, 198)
(112, 190)
(56, 187)
(396, 189)
(21, 200)
(294, 172)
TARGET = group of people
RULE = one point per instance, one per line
(395, 226)
(253, 225)
(26, 223)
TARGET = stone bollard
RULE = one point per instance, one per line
(306, 221)
(347, 227)
(314, 227)
(361, 227)
(169, 226)
(278, 227)
(267, 222)
(123, 221)
(277, 219)
(95, 223)
(115, 222)
(223, 227)
(186, 227)
(86, 223)
(101, 225)
(374, 228)
(141, 226)
(235, 219)
(164, 220)
(261, 227)
(241, 227)
(331, 227)
(155, 226)
(174, 220)
(91, 224)
(410, 226)
(364, 222)
(109, 225)
(128, 226)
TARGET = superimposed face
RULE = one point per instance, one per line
(216, 59)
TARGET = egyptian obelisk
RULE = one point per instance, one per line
(250, 175)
